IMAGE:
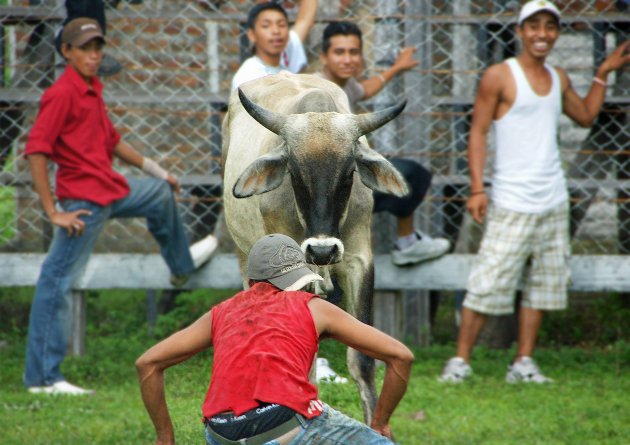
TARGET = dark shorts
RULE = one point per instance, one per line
(418, 180)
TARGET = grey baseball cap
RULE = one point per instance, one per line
(278, 259)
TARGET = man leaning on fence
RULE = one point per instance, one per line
(528, 219)
(342, 58)
(73, 130)
(264, 340)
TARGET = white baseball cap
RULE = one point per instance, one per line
(535, 6)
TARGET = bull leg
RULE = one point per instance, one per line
(358, 289)
(242, 264)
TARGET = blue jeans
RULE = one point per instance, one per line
(331, 428)
(51, 318)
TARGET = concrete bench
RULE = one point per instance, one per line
(591, 273)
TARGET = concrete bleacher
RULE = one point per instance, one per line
(402, 317)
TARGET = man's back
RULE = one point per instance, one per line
(264, 344)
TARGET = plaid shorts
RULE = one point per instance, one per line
(512, 241)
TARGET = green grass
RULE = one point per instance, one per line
(7, 213)
(588, 404)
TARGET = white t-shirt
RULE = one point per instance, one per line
(293, 59)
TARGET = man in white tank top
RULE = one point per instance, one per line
(527, 220)
(342, 60)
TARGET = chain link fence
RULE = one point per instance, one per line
(178, 58)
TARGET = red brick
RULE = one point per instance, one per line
(173, 29)
(186, 81)
(194, 31)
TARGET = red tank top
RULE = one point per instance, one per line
(264, 342)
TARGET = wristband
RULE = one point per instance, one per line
(477, 193)
(380, 76)
(599, 81)
(151, 167)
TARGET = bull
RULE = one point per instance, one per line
(294, 149)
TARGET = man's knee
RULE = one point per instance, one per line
(164, 191)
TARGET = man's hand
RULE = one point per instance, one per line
(70, 221)
(405, 60)
(618, 58)
(477, 205)
(174, 183)
(383, 430)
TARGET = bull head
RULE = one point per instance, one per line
(267, 172)
(322, 151)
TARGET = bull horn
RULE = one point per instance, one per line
(371, 121)
(268, 119)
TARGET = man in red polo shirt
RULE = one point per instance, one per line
(73, 130)
(264, 340)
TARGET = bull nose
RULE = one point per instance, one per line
(322, 255)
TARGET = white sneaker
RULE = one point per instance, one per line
(425, 248)
(200, 252)
(203, 249)
(323, 372)
(527, 371)
(455, 371)
(60, 388)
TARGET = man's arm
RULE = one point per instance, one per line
(127, 153)
(151, 365)
(335, 323)
(404, 62)
(486, 103)
(71, 221)
(584, 111)
(55, 110)
(305, 18)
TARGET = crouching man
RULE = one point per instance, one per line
(265, 339)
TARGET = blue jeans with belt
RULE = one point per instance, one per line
(330, 428)
(51, 318)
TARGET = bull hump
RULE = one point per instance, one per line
(315, 100)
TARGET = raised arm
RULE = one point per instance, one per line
(305, 18)
(404, 62)
(584, 111)
(335, 323)
(486, 104)
(151, 365)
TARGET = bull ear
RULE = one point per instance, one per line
(263, 175)
(378, 173)
(268, 119)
